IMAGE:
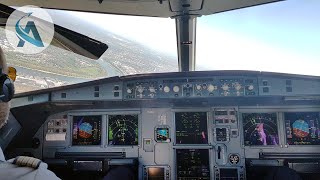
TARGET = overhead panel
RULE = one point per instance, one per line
(156, 8)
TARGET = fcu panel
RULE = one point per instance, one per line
(224, 86)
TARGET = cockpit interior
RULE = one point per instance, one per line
(185, 125)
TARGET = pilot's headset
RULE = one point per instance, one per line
(6, 84)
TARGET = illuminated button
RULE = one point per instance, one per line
(176, 89)
(166, 89)
(198, 87)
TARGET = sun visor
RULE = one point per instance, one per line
(66, 39)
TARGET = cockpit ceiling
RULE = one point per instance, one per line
(157, 8)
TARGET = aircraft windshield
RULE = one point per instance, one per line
(136, 46)
(277, 37)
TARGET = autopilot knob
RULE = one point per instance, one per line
(198, 87)
(210, 88)
(176, 89)
(225, 87)
(152, 89)
(166, 89)
(250, 87)
(140, 89)
(129, 91)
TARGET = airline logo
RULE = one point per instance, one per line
(30, 30)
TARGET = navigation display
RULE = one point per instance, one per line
(123, 130)
(86, 130)
(193, 164)
(191, 128)
(302, 128)
(260, 129)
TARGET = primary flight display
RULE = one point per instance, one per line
(86, 130)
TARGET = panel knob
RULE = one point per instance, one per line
(140, 89)
(129, 91)
(176, 89)
(152, 89)
(210, 88)
(225, 87)
(250, 87)
(237, 86)
(166, 89)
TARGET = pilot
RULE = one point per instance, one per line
(21, 167)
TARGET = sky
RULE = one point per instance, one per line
(277, 37)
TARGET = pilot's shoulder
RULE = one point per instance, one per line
(9, 171)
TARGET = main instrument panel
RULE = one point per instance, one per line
(204, 126)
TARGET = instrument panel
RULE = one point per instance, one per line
(201, 126)
(201, 143)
